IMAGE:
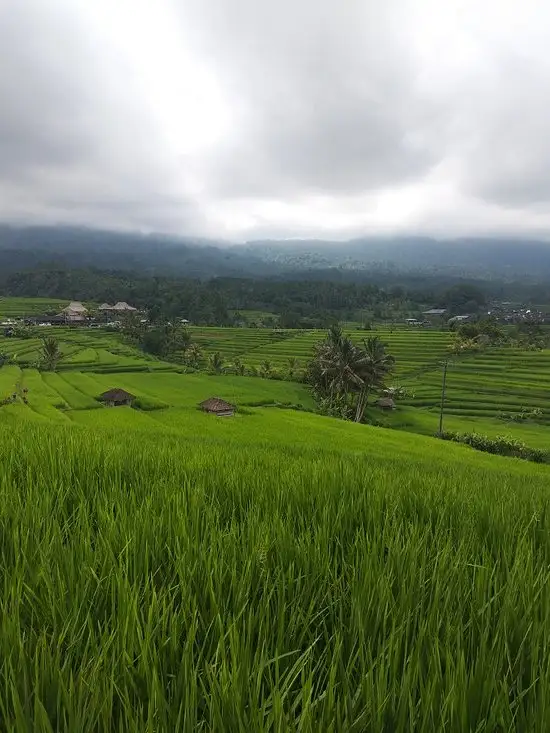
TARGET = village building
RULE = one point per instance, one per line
(386, 403)
(116, 398)
(123, 307)
(435, 312)
(75, 312)
(217, 406)
(458, 319)
(120, 307)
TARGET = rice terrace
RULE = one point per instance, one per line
(195, 539)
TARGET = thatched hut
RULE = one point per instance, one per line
(116, 398)
(386, 403)
(123, 307)
(75, 312)
(217, 406)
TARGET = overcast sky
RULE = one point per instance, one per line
(251, 118)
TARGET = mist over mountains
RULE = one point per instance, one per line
(24, 248)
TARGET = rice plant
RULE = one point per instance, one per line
(151, 583)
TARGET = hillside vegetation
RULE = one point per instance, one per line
(167, 570)
(357, 580)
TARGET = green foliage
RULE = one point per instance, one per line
(163, 341)
(525, 414)
(239, 367)
(486, 327)
(292, 368)
(216, 363)
(504, 445)
(342, 373)
(51, 354)
(266, 369)
(193, 356)
(23, 332)
(307, 588)
(463, 298)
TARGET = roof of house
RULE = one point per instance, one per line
(216, 404)
(386, 402)
(75, 307)
(105, 307)
(123, 306)
(116, 395)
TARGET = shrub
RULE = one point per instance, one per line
(525, 414)
(502, 445)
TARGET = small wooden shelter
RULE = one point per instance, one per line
(116, 398)
(386, 403)
(217, 406)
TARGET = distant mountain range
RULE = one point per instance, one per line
(23, 248)
(473, 258)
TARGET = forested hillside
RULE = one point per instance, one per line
(366, 259)
(299, 303)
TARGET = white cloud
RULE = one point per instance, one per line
(240, 118)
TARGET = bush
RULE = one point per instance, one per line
(525, 414)
(502, 445)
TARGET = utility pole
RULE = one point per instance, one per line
(443, 385)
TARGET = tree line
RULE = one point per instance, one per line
(305, 303)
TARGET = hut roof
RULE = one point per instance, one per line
(123, 306)
(75, 307)
(116, 395)
(105, 307)
(435, 312)
(386, 402)
(216, 404)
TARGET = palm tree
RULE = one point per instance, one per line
(372, 367)
(193, 356)
(266, 370)
(240, 368)
(335, 361)
(51, 354)
(345, 373)
(292, 366)
(215, 362)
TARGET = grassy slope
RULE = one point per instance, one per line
(279, 571)
(19, 307)
(169, 570)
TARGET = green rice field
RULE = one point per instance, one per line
(85, 349)
(167, 570)
(20, 307)
(480, 385)
(279, 571)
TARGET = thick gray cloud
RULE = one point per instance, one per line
(328, 95)
(243, 118)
